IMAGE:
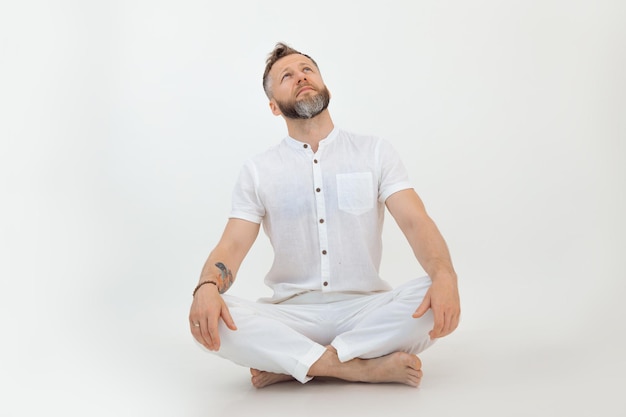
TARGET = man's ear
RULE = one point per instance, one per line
(274, 108)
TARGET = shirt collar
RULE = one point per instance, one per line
(296, 144)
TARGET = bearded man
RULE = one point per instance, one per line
(320, 195)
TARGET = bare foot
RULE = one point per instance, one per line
(262, 379)
(399, 367)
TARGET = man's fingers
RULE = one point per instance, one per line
(228, 319)
(454, 322)
(212, 336)
(449, 323)
(196, 331)
(438, 325)
(447, 327)
(423, 308)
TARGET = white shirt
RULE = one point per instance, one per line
(323, 212)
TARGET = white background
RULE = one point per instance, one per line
(123, 125)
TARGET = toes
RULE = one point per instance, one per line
(413, 382)
(411, 361)
(258, 381)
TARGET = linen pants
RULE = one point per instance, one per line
(289, 337)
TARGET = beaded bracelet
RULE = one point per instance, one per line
(200, 285)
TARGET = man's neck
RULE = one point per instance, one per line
(311, 131)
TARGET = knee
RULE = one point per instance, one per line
(418, 333)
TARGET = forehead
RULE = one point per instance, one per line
(289, 62)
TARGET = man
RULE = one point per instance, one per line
(321, 195)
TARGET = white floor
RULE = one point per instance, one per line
(143, 367)
(463, 376)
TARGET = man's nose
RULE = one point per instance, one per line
(301, 77)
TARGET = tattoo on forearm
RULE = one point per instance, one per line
(227, 278)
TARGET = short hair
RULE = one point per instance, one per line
(281, 50)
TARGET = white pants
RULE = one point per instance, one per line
(289, 337)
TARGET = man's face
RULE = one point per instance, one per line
(298, 91)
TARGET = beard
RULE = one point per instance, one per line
(306, 108)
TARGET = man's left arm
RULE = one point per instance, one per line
(431, 251)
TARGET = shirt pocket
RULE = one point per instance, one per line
(355, 192)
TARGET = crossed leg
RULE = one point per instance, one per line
(398, 367)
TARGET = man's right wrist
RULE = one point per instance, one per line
(204, 283)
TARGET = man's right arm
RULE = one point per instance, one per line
(218, 274)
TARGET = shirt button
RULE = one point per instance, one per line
(315, 161)
(318, 189)
(321, 220)
(326, 283)
(305, 146)
(324, 252)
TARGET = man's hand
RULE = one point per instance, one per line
(443, 298)
(207, 309)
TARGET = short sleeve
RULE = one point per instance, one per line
(246, 204)
(392, 174)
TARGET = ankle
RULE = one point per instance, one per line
(326, 365)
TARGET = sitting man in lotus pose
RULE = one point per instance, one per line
(320, 195)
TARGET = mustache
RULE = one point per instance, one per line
(302, 87)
